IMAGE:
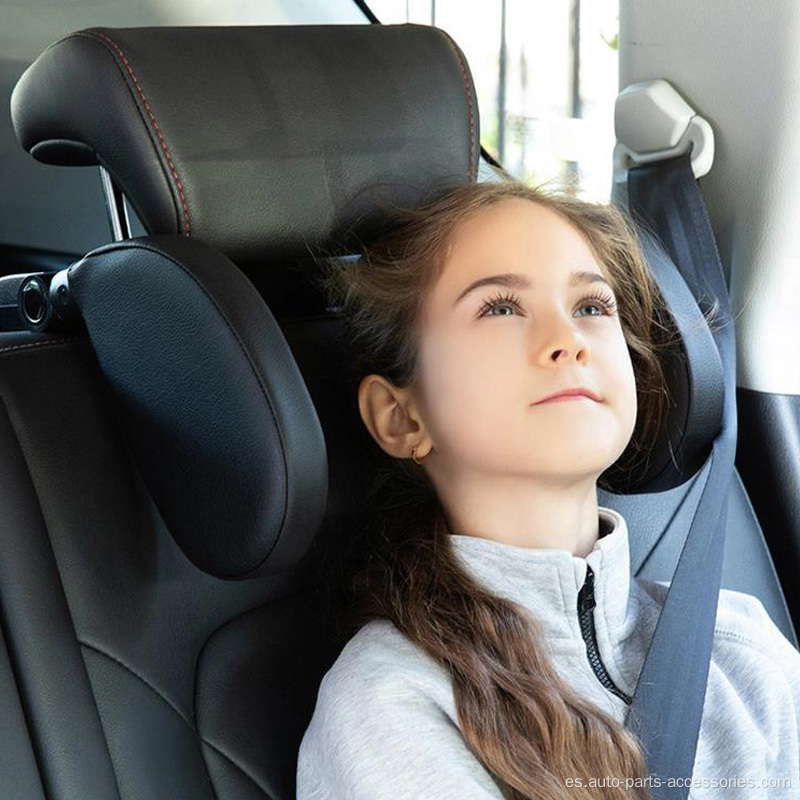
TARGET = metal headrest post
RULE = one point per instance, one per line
(115, 205)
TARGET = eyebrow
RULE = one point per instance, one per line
(513, 280)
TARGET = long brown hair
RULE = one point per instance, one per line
(520, 719)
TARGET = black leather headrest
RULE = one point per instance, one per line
(215, 410)
(261, 141)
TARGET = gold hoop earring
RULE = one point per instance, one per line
(414, 456)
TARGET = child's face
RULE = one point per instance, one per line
(479, 377)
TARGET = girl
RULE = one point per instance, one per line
(499, 634)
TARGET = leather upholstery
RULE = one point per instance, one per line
(203, 132)
(114, 633)
(20, 776)
(211, 399)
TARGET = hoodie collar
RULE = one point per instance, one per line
(546, 581)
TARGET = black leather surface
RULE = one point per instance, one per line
(202, 128)
(216, 411)
(283, 632)
(19, 775)
(769, 461)
(114, 633)
(52, 681)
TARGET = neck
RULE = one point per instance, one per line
(524, 515)
(547, 582)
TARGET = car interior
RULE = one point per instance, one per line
(181, 458)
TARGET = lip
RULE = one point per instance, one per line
(577, 393)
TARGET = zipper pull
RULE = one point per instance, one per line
(586, 601)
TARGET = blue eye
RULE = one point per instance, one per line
(498, 301)
(605, 302)
(600, 300)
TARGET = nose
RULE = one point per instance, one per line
(558, 339)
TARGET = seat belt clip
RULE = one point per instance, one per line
(652, 122)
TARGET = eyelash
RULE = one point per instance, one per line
(604, 301)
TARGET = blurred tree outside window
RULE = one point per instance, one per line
(547, 71)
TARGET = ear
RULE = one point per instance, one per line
(390, 416)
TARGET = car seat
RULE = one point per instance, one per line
(181, 456)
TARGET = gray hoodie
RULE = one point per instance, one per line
(385, 725)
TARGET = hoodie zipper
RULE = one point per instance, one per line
(586, 604)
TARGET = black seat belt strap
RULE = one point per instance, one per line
(667, 704)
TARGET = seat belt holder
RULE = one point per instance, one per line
(667, 705)
(652, 122)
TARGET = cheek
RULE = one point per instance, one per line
(462, 381)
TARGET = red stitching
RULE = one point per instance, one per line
(36, 344)
(173, 170)
(465, 77)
